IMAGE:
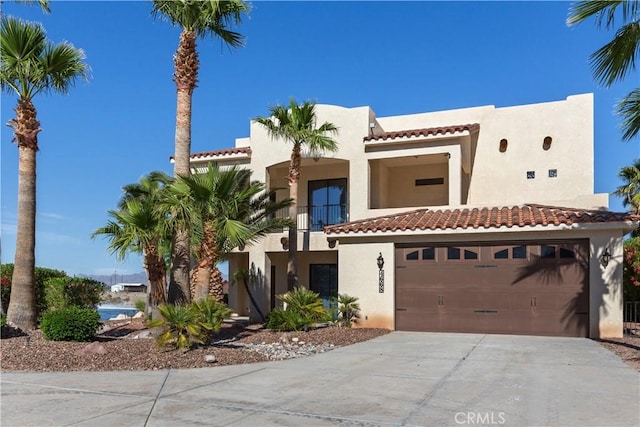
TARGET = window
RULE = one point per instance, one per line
(430, 181)
(553, 173)
(519, 252)
(567, 253)
(429, 254)
(547, 251)
(412, 256)
(453, 253)
(327, 203)
(470, 254)
(503, 254)
(531, 174)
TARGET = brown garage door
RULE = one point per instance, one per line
(537, 288)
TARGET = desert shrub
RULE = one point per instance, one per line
(211, 312)
(62, 292)
(348, 310)
(3, 319)
(303, 308)
(182, 324)
(286, 320)
(70, 324)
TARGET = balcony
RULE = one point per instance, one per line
(316, 217)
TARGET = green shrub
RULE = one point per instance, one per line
(41, 275)
(182, 326)
(140, 305)
(304, 307)
(211, 312)
(286, 320)
(70, 324)
(3, 319)
(348, 310)
(63, 292)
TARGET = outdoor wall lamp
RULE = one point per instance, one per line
(380, 273)
(605, 257)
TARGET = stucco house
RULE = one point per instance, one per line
(479, 220)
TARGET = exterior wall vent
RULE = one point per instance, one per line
(503, 145)
(546, 144)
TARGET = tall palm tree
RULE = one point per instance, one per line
(613, 61)
(296, 124)
(139, 226)
(630, 190)
(30, 65)
(231, 211)
(196, 18)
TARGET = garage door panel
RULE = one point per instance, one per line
(514, 288)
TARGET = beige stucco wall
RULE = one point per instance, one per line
(406, 194)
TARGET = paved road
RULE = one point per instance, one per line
(399, 379)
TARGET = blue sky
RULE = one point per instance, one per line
(397, 57)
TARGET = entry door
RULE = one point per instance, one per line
(323, 279)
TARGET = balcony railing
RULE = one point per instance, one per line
(316, 217)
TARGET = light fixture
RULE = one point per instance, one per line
(605, 257)
(380, 261)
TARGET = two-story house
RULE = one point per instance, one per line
(473, 220)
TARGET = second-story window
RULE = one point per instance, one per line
(327, 203)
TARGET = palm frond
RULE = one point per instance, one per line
(629, 109)
(613, 61)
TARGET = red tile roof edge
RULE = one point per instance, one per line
(223, 152)
(471, 127)
(527, 215)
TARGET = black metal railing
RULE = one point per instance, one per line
(316, 217)
(631, 318)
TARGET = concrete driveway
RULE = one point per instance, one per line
(399, 379)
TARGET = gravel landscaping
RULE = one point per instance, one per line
(126, 346)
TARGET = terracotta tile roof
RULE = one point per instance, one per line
(473, 127)
(528, 215)
(217, 153)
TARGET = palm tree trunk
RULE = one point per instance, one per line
(157, 278)
(185, 77)
(294, 178)
(22, 305)
(208, 258)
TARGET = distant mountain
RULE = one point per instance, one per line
(118, 278)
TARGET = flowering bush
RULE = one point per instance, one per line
(631, 269)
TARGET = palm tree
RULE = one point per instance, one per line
(30, 65)
(139, 226)
(196, 18)
(630, 190)
(613, 61)
(230, 211)
(296, 124)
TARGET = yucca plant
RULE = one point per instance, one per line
(348, 310)
(182, 324)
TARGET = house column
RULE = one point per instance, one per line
(455, 175)
(259, 282)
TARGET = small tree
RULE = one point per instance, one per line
(631, 269)
(348, 310)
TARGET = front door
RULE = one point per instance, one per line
(323, 279)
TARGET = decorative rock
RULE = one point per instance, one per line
(210, 358)
(138, 315)
(93, 348)
(120, 316)
(295, 339)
